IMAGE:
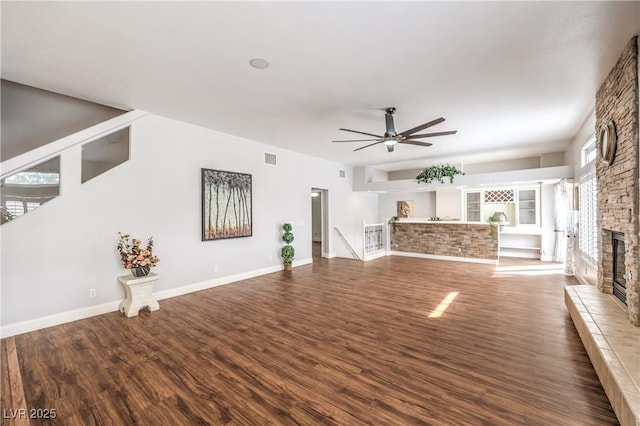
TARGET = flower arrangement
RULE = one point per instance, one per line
(133, 255)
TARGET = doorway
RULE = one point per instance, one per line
(319, 243)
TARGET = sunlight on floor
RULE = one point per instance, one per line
(437, 312)
(529, 270)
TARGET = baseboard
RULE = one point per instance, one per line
(581, 279)
(302, 262)
(451, 258)
(57, 319)
(368, 257)
(204, 285)
(104, 308)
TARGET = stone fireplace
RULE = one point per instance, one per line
(618, 212)
(619, 274)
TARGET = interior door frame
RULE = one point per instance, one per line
(324, 220)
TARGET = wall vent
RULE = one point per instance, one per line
(270, 158)
(343, 174)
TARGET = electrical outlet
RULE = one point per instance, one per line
(459, 249)
(215, 268)
(92, 292)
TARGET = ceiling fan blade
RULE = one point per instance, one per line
(429, 135)
(362, 133)
(359, 140)
(388, 119)
(367, 146)
(422, 126)
(410, 142)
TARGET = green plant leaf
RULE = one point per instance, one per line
(438, 173)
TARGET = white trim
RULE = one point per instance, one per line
(438, 257)
(375, 255)
(57, 319)
(104, 308)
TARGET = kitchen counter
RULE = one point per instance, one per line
(451, 240)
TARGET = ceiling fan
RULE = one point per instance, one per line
(391, 138)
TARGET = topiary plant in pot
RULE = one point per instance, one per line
(288, 252)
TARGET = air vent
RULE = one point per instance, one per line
(270, 158)
(343, 174)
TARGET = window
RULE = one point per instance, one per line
(105, 153)
(26, 190)
(16, 208)
(588, 151)
(588, 221)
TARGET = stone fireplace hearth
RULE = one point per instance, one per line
(618, 208)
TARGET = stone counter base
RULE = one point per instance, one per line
(464, 240)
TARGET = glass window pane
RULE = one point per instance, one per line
(104, 154)
(26, 190)
(588, 230)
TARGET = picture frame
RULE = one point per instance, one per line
(227, 210)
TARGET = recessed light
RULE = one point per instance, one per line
(259, 63)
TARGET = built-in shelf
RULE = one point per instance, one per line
(521, 242)
(519, 248)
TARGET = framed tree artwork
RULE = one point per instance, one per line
(226, 205)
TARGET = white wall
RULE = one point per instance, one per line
(424, 203)
(503, 165)
(585, 271)
(55, 254)
(449, 203)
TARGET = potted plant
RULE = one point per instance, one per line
(288, 252)
(497, 221)
(136, 258)
(438, 173)
(393, 222)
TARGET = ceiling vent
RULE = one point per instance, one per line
(342, 174)
(270, 158)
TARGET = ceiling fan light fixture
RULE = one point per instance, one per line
(391, 138)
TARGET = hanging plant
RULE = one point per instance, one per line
(438, 173)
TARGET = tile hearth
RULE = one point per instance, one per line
(613, 345)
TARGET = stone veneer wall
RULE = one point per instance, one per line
(445, 239)
(617, 100)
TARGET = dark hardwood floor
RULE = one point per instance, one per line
(336, 342)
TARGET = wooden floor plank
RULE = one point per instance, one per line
(336, 342)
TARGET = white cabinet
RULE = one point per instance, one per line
(520, 205)
(522, 235)
(528, 207)
(473, 206)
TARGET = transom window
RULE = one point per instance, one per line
(588, 151)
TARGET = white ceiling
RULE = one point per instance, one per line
(515, 79)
